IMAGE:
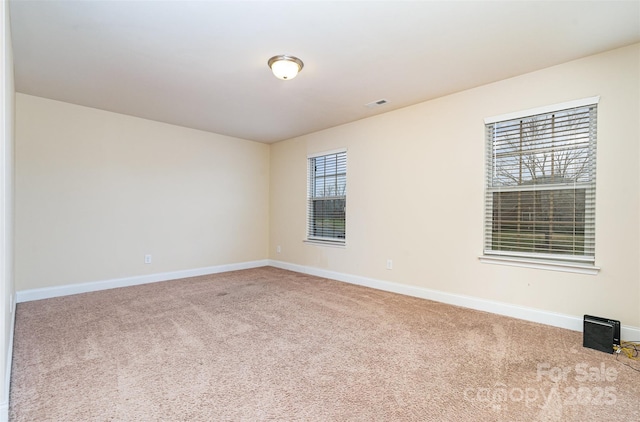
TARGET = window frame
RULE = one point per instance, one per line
(313, 198)
(532, 259)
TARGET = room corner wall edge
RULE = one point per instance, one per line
(554, 319)
(94, 286)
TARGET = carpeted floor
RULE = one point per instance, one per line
(269, 344)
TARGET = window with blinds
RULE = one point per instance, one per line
(327, 196)
(540, 185)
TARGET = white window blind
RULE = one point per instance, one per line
(327, 195)
(540, 185)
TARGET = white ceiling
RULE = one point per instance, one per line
(203, 64)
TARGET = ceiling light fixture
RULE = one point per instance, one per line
(285, 67)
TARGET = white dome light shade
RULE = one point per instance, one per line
(285, 67)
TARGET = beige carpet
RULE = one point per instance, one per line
(268, 344)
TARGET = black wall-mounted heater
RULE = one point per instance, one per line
(600, 333)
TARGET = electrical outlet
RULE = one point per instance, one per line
(389, 264)
(278, 249)
(147, 259)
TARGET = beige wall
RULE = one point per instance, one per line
(96, 191)
(416, 185)
(7, 291)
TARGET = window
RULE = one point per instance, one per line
(540, 184)
(327, 197)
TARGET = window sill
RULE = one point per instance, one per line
(570, 267)
(329, 243)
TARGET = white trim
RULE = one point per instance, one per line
(4, 407)
(569, 267)
(330, 243)
(542, 110)
(94, 286)
(323, 153)
(554, 319)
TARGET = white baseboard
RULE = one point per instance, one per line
(4, 405)
(570, 322)
(94, 286)
(528, 314)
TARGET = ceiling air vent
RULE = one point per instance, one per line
(377, 103)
